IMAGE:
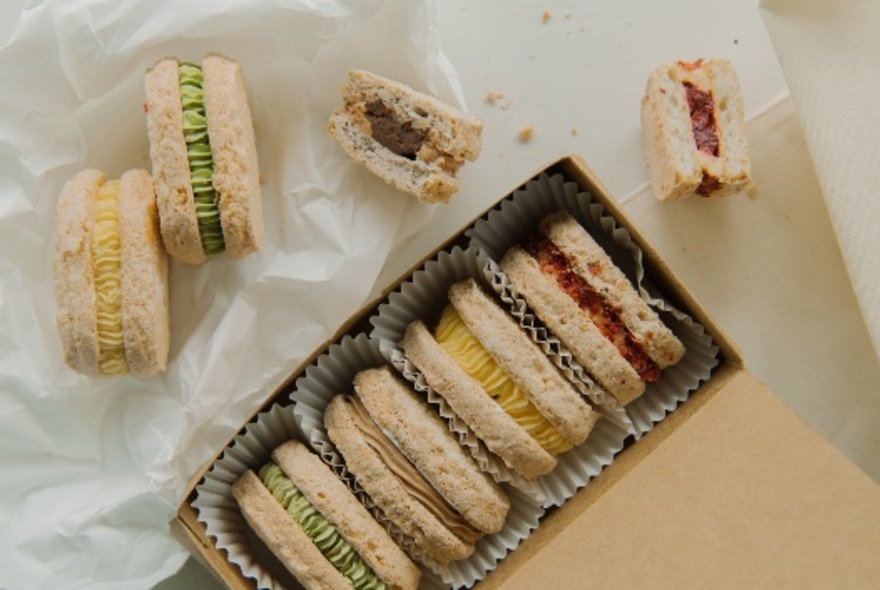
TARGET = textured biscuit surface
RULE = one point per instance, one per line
(429, 445)
(143, 277)
(337, 504)
(284, 537)
(450, 136)
(495, 427)
(387, 491)
(171, 175)
(74, 271)
(233, 147)
(523, 362)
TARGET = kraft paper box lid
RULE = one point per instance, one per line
(730, 490)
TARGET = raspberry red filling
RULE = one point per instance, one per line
(555, 263)
(702, 107)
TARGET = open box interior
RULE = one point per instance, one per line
(731, 489)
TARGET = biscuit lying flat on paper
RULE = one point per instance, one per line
(575, 289)
(204, 157)
(317, 528)
(693, 130)
(411, 140)
(111, 276)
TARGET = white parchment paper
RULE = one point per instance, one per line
(93, 469)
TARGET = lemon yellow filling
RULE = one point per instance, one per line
(108, 296)
(460, 343)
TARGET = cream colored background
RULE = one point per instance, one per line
(768, 268)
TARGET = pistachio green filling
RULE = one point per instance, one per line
(198, 152)
(328, 540)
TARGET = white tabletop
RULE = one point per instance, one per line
(573, 72)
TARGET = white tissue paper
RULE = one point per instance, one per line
(828, 52)
(93, 469)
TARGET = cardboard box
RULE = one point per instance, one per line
(730, 490)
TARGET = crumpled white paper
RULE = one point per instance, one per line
(828, 52)
(94, 468)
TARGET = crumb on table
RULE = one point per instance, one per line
(574, 130)
(545, 17)
(492, 97)
(525, 134)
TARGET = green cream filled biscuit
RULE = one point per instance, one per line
(325, 536)
(201, 162)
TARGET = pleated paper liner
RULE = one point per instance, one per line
(219, 511)
(333, 373)
(423, 297)
(519, 214)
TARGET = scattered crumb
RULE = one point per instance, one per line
(736, 41)
(492, 97)
(567, 16)
(525, 134)
(507, 104)
(545, 17)
(583, 29)
(752, 190)
(574, 131)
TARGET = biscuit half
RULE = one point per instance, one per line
(411, 140)
(693, 130)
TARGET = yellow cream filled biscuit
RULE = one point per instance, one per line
(458, 341)
(108, 296)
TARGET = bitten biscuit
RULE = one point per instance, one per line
(693, 130)
(411, 140)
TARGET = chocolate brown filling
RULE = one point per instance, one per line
(702, 107)
(397, 136)
(557, 264)
(415, 483)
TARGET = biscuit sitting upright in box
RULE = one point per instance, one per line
(693, 130)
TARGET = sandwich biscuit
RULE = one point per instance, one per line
(481, 361)
(111, 276)
(411, 140)
(413, 468)
(572, 285)
(204, 159)
(693, 130)
(317, 528)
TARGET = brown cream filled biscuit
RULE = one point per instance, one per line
(415, 483)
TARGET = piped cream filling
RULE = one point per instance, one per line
(460, 343)
(106, 252)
